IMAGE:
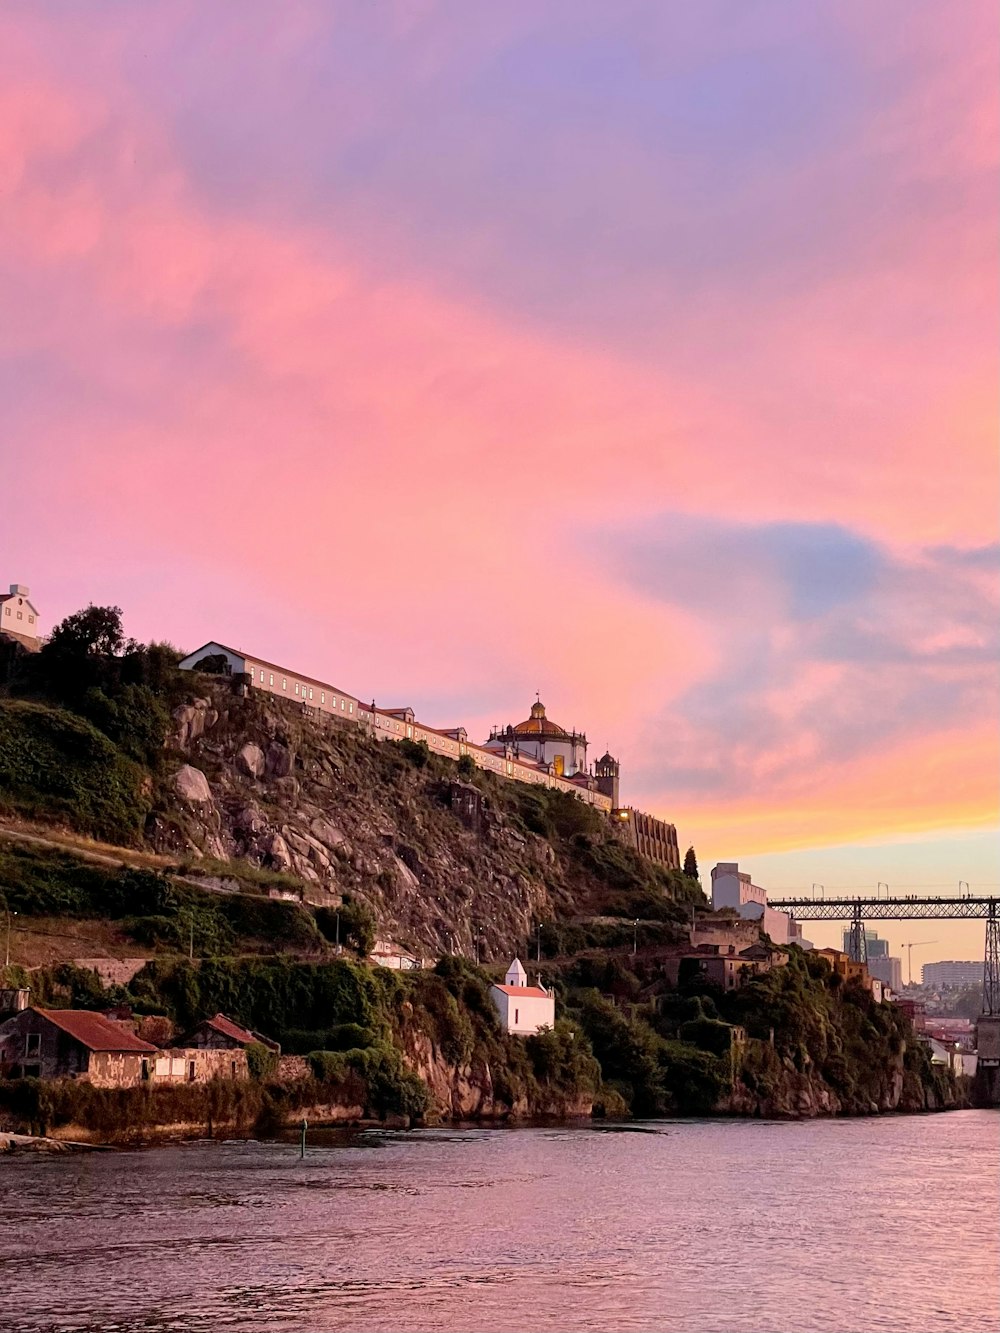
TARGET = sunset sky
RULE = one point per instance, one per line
(642, 354)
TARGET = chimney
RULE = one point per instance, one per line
(18, 590)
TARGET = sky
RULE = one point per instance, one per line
(641, 354)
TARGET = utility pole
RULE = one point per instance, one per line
(10, 914)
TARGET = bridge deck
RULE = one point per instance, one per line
(887, 909)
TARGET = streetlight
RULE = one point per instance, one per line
(635, 936)
(10, 914)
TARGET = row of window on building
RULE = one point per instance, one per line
(303, 691)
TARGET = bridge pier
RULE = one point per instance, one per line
(986, 1089)
(857, 945)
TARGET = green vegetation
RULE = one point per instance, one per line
(667, 1050)
(629, 885)
(151, 908)
(132, 1114)
(55, 765)
(352, 925)
(92, 717)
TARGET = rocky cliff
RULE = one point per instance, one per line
(260, 782)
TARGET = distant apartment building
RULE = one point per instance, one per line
(733, 888)
(888, 970)
(876, 946)
(952, 973)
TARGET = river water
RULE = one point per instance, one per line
(695, 1226)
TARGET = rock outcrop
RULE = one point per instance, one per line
(262, 782)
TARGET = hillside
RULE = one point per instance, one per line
(246, 847)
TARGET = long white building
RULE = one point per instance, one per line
(387, 724)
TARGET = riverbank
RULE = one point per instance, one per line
(78, 1115)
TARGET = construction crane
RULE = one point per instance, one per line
(915, 944)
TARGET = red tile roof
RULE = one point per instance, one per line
(226, 1026)
(95, 1031)
(531, 992)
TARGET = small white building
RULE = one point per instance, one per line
(19, 618)
(733, 887)
(523, 1009)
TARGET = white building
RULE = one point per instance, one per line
(19, 618)
(889, 970)
(523, 1009)
(272, 679)
(952, 973)
(733, 888)
(545, 741)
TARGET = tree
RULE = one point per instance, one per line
(690, 864)
(96, 631)
(83, 653)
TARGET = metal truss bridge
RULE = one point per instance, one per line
(908, 908)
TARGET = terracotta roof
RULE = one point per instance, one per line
(95, 1031)
(228, 1028)
(531, 992)
(539, 726)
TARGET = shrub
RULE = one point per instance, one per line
(261, 1060)
(54, 765)
(416, 753)
(353, 924)
(708, 1034)
(695, 1080)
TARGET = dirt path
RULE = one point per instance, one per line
(102, 854)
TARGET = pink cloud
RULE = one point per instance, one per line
(392, 480)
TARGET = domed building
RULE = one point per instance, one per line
(545, 741)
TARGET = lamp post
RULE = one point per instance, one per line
(635, 937)
(10, 915)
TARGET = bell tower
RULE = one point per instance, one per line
(606, 772)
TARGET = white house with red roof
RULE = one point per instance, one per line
(523, 1009)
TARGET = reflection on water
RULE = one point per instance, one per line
(693, 1227)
